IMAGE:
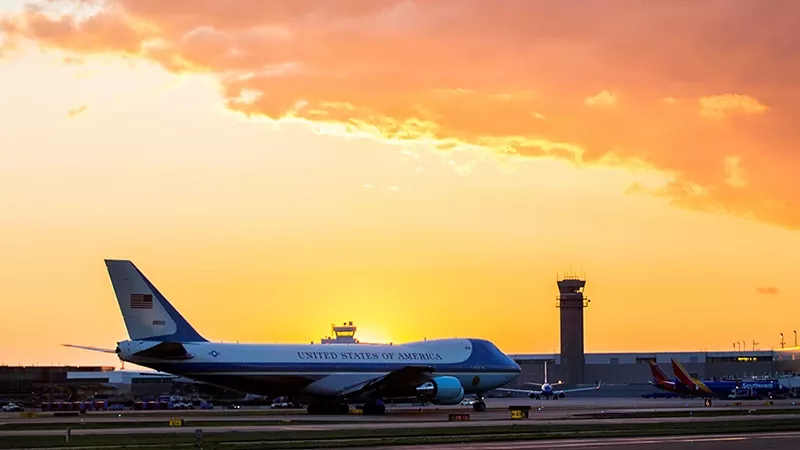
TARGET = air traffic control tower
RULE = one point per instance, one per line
(571, 302)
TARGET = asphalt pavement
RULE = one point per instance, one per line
(761, 441)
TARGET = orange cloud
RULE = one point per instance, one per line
(604, 98)
(719, 106)
(767, 290)
(513, 77)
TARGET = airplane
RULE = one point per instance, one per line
(756, 388)
(329, 377)
(546, 390)
(700, 388)
(687, 386)
(661, 381)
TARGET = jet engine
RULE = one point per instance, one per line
(442, 391)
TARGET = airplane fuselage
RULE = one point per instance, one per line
(706, 389)
(323, 370)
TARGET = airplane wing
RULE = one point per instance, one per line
(558, 392)
(567, 391)
(531, 383)
(521, 391)
(400, 382)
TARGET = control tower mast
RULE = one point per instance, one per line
(571, 302)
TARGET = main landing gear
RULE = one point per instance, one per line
(479, 405)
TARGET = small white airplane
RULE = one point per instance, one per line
(547, 390)
(328, 377)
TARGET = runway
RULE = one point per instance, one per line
(561, 412)
(578, 410)
(761, 441)
(573, 408)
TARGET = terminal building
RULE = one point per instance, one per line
(26, 383)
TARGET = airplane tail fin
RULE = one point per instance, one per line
(687, 380)
(681, 373)
(658, 373)
(545, 372)
(147, 314)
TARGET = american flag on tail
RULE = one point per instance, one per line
(141, 301)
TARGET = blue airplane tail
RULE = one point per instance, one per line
(147, 314)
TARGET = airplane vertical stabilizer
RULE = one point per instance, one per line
(147, 314)
(658, 372)
(687, 380)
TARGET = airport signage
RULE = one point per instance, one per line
(519, 412)
(458, 417)
(176, 422)
(370, 356)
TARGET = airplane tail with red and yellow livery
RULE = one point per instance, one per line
(694, 385)
(660, 379)
(658, 372)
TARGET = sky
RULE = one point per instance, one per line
(424, 169)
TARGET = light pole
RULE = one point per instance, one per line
(781, 340)
(795, 337)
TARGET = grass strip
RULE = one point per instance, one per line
(365, 437)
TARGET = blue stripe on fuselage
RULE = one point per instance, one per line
(720, 385)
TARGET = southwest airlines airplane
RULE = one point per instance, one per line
(684, 384)
(328, 376)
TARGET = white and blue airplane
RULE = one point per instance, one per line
(547, 389)
(328, 377)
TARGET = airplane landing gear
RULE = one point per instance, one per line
(374, 407)
(479, 405)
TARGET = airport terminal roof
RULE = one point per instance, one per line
(660, 357)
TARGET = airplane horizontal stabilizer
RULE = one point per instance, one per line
(94, 349)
